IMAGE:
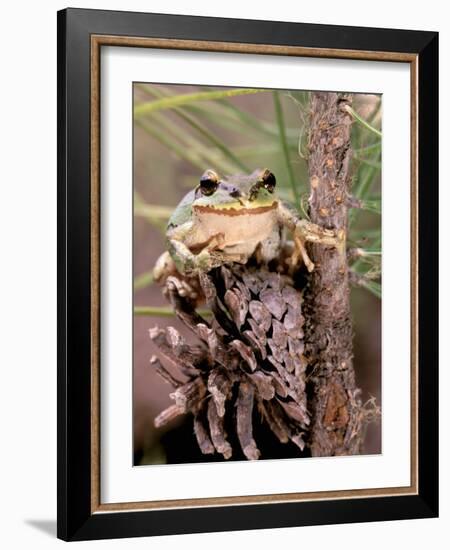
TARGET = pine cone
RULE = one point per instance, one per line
(249, 356)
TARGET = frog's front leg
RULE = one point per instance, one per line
(305, 231)
(192, 250)
(186, 261)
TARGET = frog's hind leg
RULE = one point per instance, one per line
(164, 267)
(181, 255)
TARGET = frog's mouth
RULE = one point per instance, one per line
(231, 210)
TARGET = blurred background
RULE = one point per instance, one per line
(179, 132)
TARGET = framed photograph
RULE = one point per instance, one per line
(247, 255)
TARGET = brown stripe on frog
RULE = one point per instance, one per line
(232, 211)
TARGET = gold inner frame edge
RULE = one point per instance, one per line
(97, 41)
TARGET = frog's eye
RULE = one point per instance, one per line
(268, 181)
(209, 182)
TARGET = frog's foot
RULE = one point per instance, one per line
(182, 286)
(207, 260)
(314, 233)
(300, 252)
(188, 263)
(310, 232)
(213, 256)
(165, 271)
(164, 267)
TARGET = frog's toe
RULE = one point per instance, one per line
(202, 262)
(217, 259)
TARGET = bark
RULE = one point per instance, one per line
(337, 416)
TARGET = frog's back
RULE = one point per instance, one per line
(183, 212)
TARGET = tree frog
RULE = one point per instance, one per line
(229, 219)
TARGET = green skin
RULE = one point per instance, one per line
(242, 216)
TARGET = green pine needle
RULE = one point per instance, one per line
(143, 280)
(156, 311)
(185, 99)
(362, 121)
(284, 145)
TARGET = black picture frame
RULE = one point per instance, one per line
(76, 518)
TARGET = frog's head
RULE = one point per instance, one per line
(236, 194)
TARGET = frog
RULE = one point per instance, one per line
(229, 219)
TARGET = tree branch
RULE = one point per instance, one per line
(334, 402)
